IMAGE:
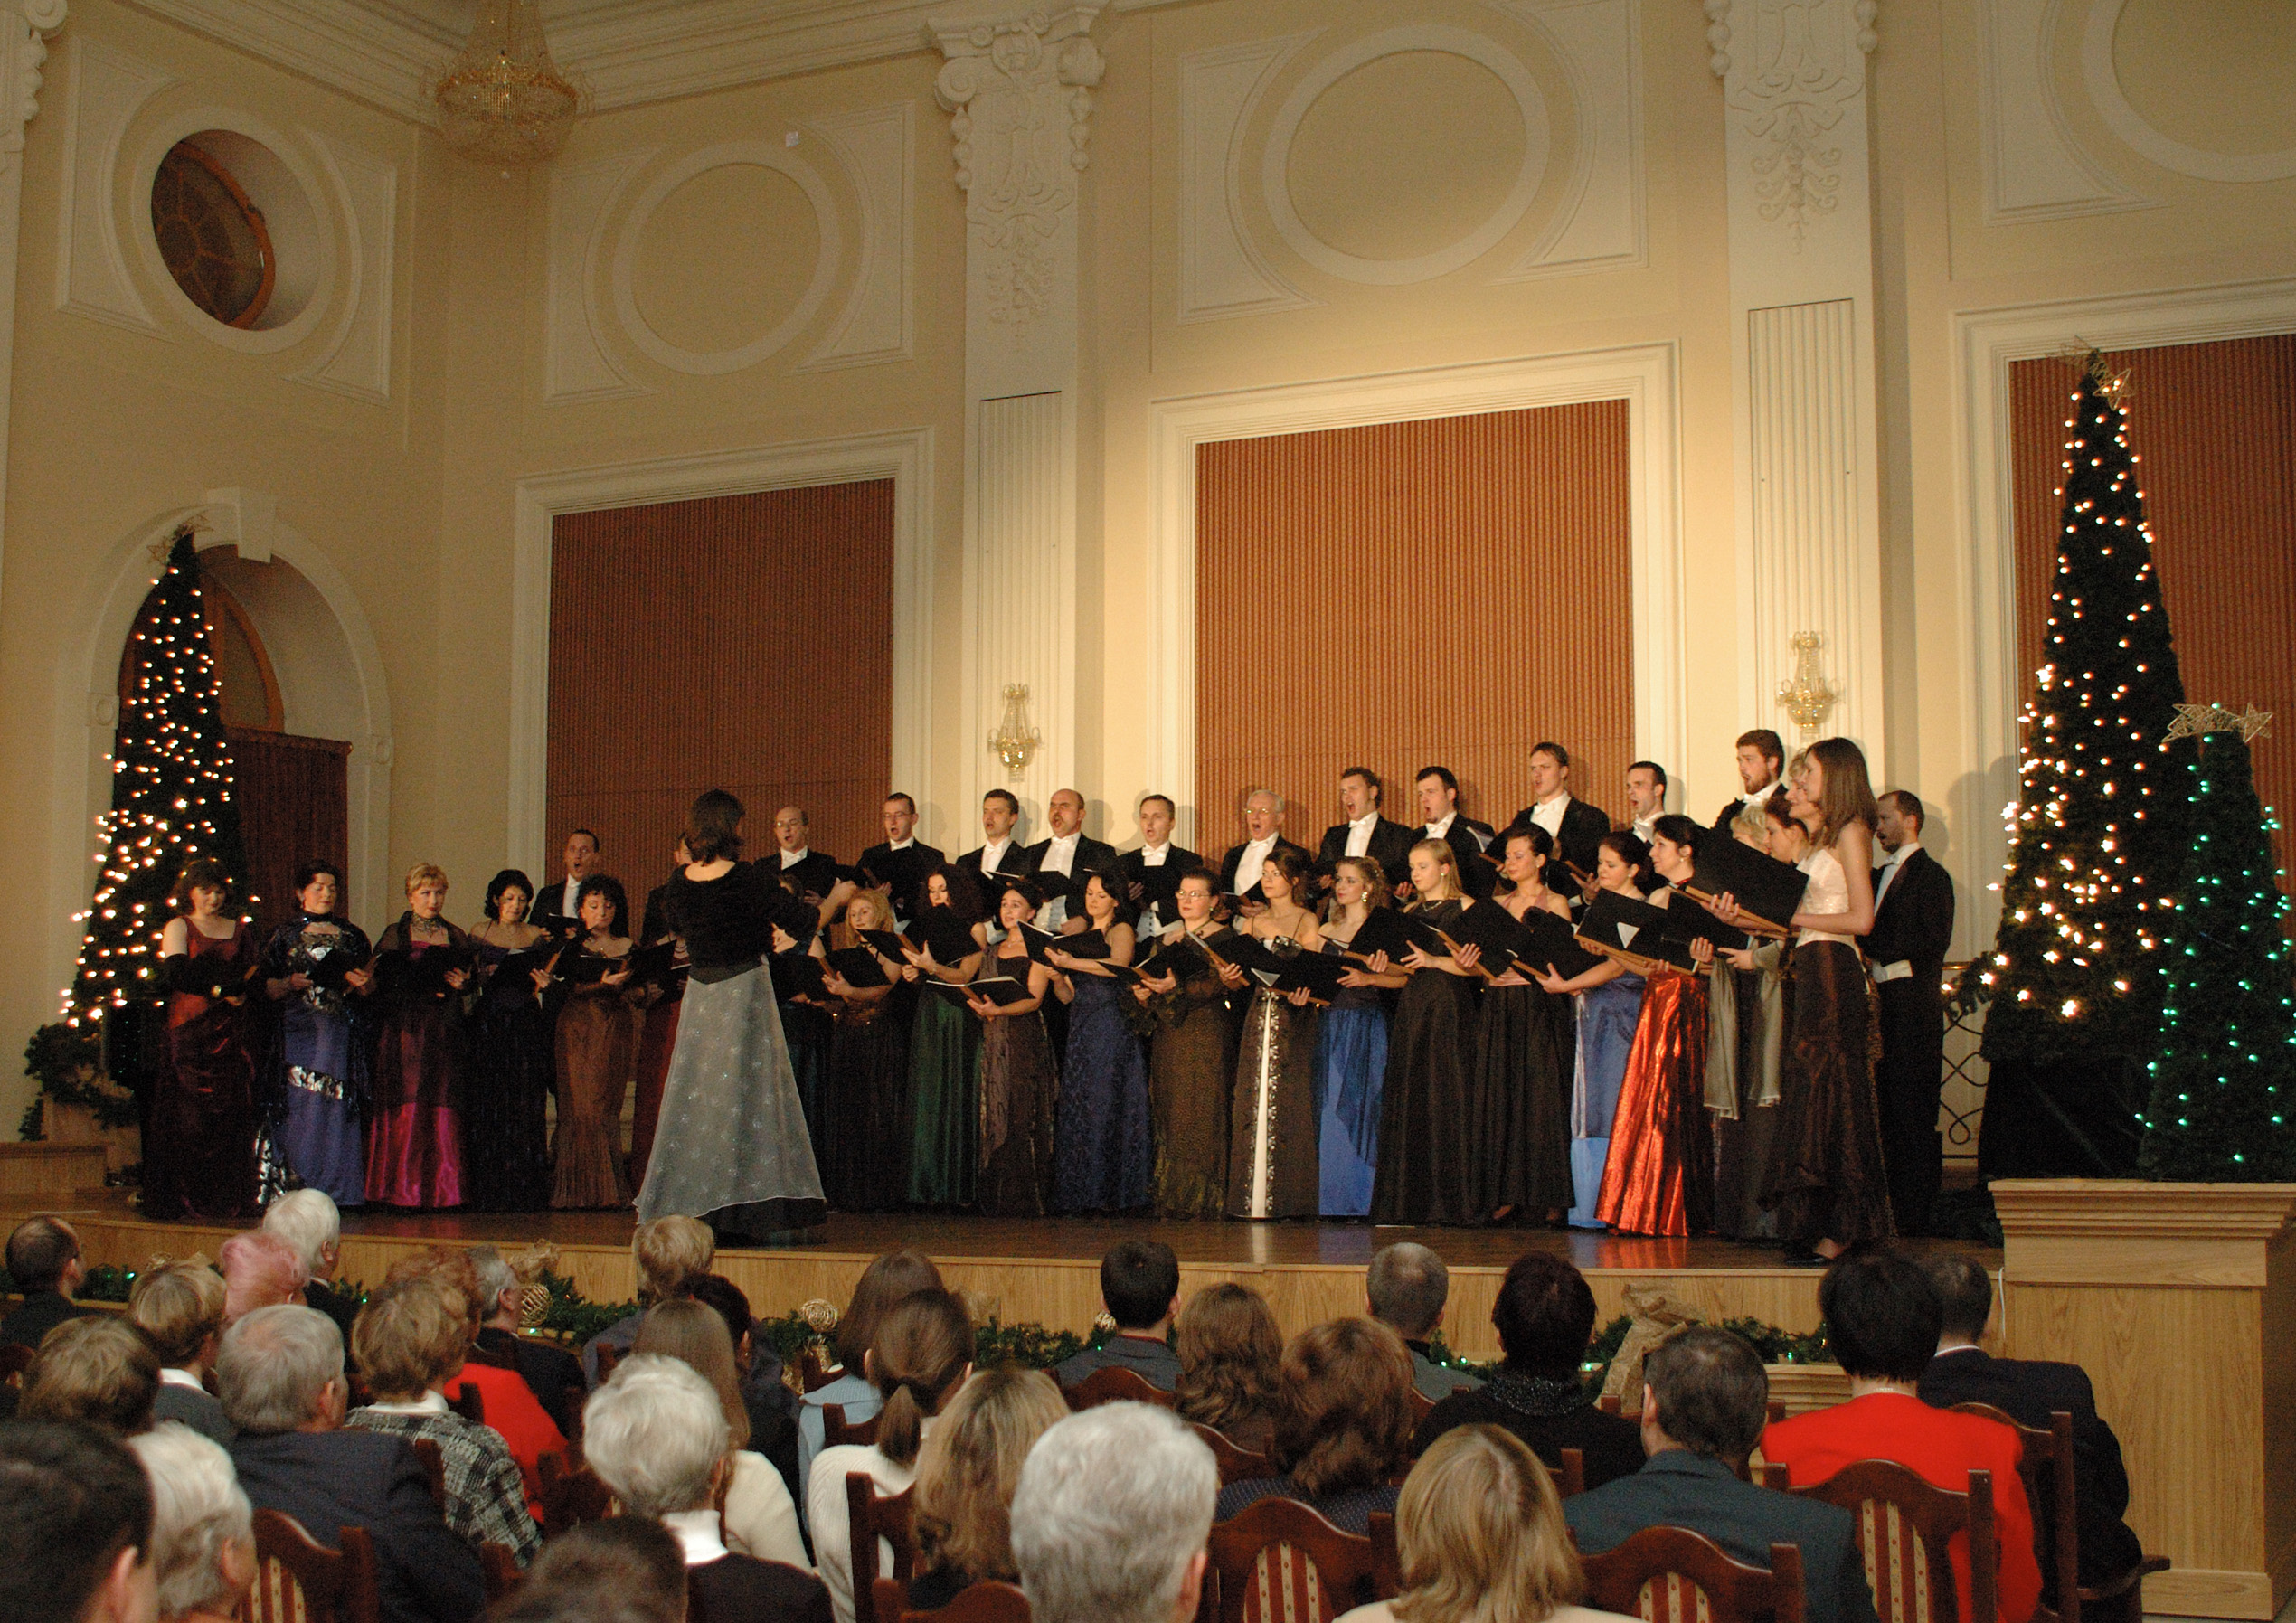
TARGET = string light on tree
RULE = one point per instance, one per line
(170, 796)
(2097, 832)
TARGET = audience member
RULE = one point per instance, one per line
(259, 1270)
(2029, 1390)
(1110, 1518)
(511, 1407)
(75, 1527)
(657, 1435)
(771, 1406)
(308, 1220)
(551, 1373)
(44, 1262)
(967, 1471)
(1883, 1320)
(1407, 1287)
(101, 1370)
(280, 1374)
(667, 1252)
(1140, 1288)
(1704, 1397)
(409, 1340)
(758, 1514)
(1343, 1424)
(1229, 1345)
(883, 1282)
(921, 1355)
(1545, 1315)
(1479, 1531)
(203, 1527)
(180, 1306)
(622, 1570)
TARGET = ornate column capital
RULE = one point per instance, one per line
(1792, 68)
(26, 26)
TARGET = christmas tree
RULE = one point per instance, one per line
(171, 794)
(2097, 836)
(2225, 1078)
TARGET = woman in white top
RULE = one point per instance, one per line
(1480, 1529)
(883, 1282)
(922, 1353)
(1826, 1180)
(755, 1514)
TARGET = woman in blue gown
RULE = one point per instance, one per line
(1102, 1154)
(1351, 1050)
(1610, 1006)
(318, 1071)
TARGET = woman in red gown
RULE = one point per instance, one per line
(414, 1120)
(199, 1152)
(1659, 1176)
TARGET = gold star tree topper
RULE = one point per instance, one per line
(2193, 719)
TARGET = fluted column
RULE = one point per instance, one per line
(26, 26)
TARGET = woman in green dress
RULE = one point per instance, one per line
(944, 1046)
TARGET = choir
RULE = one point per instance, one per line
(1063, 1027)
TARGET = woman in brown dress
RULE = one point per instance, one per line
(596, 1053)
(1018, 1083)
(1192, 1059)
(199, 1157)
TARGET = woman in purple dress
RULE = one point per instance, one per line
(199, 1156)
(414, 1128)
(317, 1080)
(1102, 1154)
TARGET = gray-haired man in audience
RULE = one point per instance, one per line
(1408, 1286)
(1110, 1518)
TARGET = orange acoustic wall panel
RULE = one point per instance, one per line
(740, 642)
(2216, 427)
(1446, 591)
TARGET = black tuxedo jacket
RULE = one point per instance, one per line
(1092, 856)
(904, 872)
(1016, 861)
(1234, 859)
(1159, 884)
(1581, 841)
(329, 1480)
(1678, 1488)
(1914, 921)
(1391, 844)
(1471, 843)
(2029, 1391)
(1729, 812)
(552, 903)
(740, 1588)
(817, 875)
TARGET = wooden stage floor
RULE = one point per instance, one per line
(1046, 1271)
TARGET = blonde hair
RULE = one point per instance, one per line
(968, 1469)
(97, 1369)
(1229, 1345)
(1377, 887)
(179, 1304)
(696, 1334)
(1447, 860)
(425, 874)
(1752, 824)
(410, 1337)
(1480, 1529)
(669, 1251)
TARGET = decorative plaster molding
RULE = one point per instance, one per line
(1600, 223)
(576, 364)
(1019, 97)
(357, 362)
(2035, 168)
(2103, 80)
(877, 147)
(1806, 66)
(1222, 271)
(24, 28)
(107, 88)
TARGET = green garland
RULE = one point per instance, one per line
(65, 1061)
(1773, 1344)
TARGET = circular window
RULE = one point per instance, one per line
(213, 239)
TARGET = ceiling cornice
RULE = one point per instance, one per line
(629, 52)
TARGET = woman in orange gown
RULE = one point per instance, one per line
(1659, 1176)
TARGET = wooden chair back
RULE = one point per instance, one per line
(1609, 1404)
(1422, 1406)
(469, 1402)
(873, 1517)
(1572, 1478)
(1279, 1561)
(1673, 1575)
(606, 1359)
(836, 1431)
(498, 1564)
(1236, 1464)
(1906, 1528)
(1386, 1558)
(1115, 1385)
(2045, 1467)
(298, 1579)
(988, 1603)
(572, 1494)
(14, 1360)
(434, 1466)
(815, 1371)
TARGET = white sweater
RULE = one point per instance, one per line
(832, 1524)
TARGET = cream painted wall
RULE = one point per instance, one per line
(504, 310)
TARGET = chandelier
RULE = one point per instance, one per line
(503, 101)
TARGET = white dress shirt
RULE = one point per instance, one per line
(901, 845)
(790, 859)
(1548, 815)
(1760, 794)
(697, 1536)
(573, 894)
(991, 855)
(1254, 858)
(185, 1378)
(1436, 831)
(1152, 856)
(1359, 833)
(1642, 825)
(1060, 857)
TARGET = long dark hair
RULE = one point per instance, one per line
(714, 827)
(964, 893)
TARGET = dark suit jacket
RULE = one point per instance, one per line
(1092, 856)
(1391, 844)
(1158, 884)
(1471, 843)
(1580, 841)
(1234, 859)
(1611, 1444)
(551, 1373)
(740, 1588)
(329, 1480)
(1914, 923)
(2029, 1391)
(1016, 859)
(41, 1312)
(817, 875)
(196, 1410)
(552, 903)
(337, 1305)
(1153, 1361)
(903, 871)
(1678, 1488)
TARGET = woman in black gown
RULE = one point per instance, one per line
(1018, 1082)
(1428, 1111)
(1523, 1052)
(868, 1164)
(509, 1075)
